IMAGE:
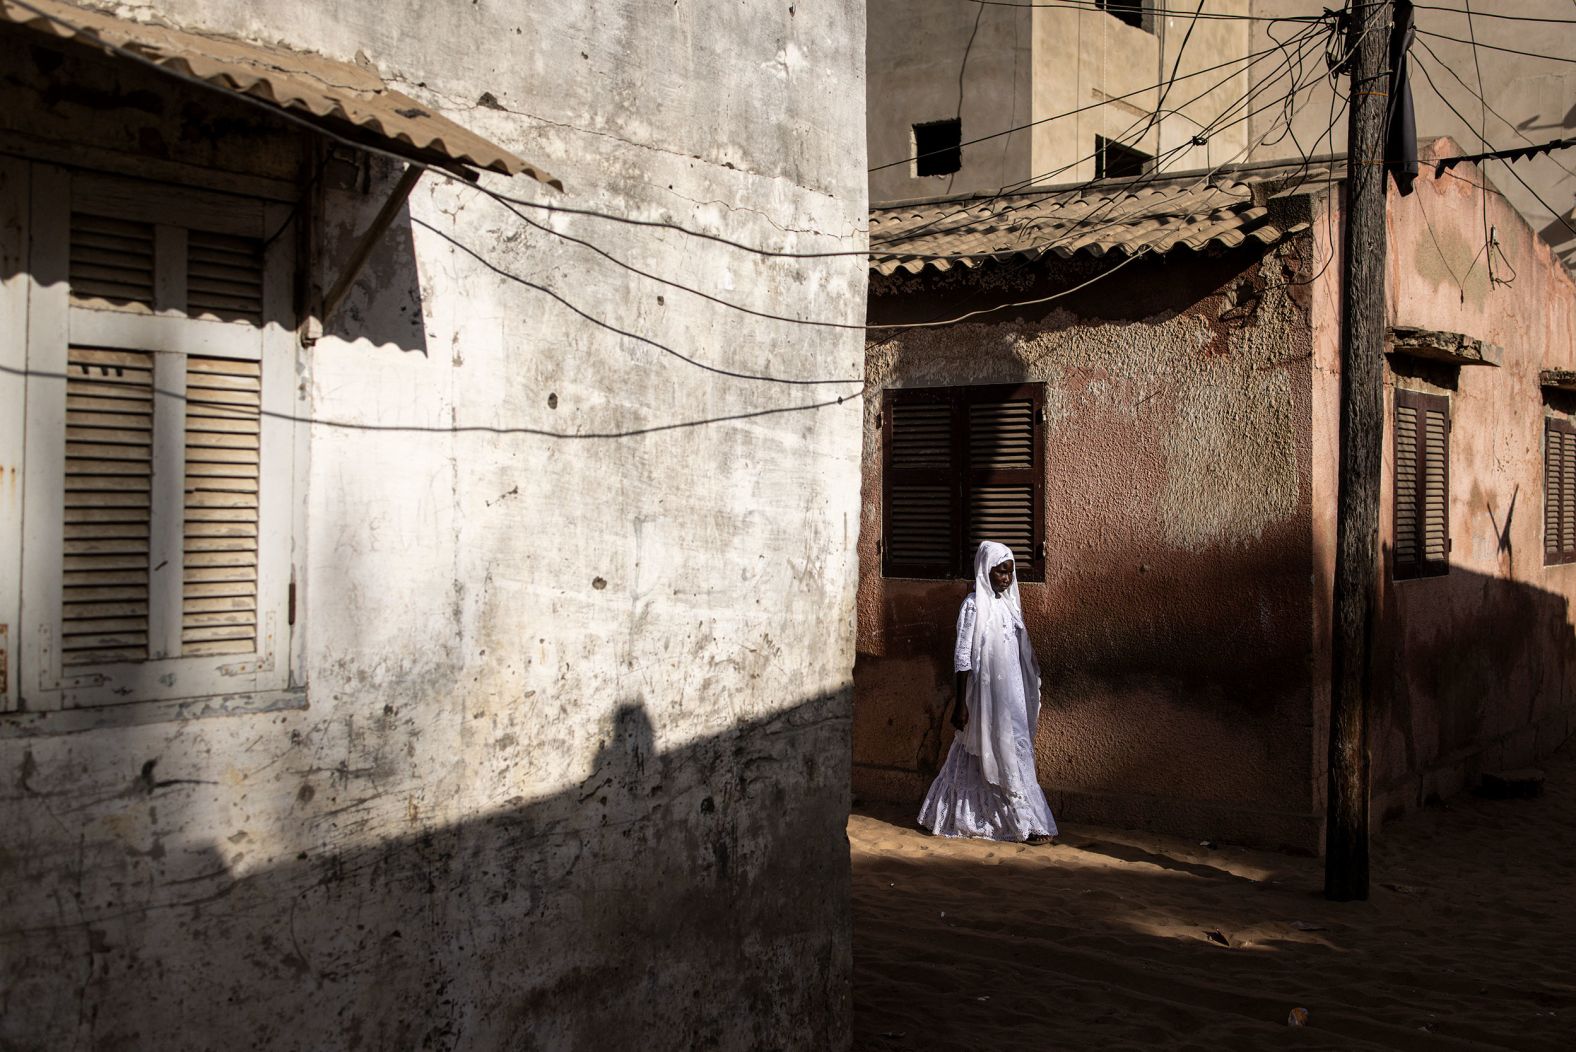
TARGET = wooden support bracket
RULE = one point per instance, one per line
(369, 240)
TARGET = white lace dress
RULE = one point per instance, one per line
(961, 802)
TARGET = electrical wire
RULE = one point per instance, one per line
(1497, 47)
(1558, 216)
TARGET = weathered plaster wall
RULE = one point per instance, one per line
(576, 622)
(1477, 667)
(1174, 621)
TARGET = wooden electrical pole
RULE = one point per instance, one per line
(1362, 431)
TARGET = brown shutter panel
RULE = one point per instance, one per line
(1407, 532)
(1436, 487)
(1005, 475)
(109, 467)
(1553, 451)
(1422, 484)
(1568, 494)
(223, 443)
(920, 492)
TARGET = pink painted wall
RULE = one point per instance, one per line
(1477, 667)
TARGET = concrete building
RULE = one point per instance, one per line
(450, 651)
(1143, 402)
(1069, 91)
(1041, 95)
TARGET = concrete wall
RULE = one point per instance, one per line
(1174, 624)
(1477, 668)
(1058, 76)
(1528, 100)
(935, 60)
(576, 625)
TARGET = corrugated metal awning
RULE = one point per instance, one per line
(1131, 216)
(338, 96)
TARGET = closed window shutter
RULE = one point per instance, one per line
(111, 261)
(224, 276)
(1553, 502)
(1002, 490)
(961, 465)
(1422, 484)
(109, 468)
(1559, 492)
(222, 436)
(1568, 495)
(921, 485)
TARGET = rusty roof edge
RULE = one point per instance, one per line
(1217, 176)
(263, 80)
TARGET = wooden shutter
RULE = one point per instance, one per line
(222, 435)
(224, 276)
(961, 465)
(109, 468)
(1422, 484)
(921, 484)
(1003, 486)
(1559, 492)
(111, 261)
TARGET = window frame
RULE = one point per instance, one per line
(1421, 567)
(54, 325)
(1564, 506)
(962, 477)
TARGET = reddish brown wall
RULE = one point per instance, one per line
(1175, 621)
(1477, 667)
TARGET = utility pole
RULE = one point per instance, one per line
(1362, 432)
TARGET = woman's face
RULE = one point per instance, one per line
(1001, 576)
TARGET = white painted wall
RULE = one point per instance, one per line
(576, 622)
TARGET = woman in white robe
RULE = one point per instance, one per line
(988, 787)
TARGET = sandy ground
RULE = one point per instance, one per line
(1468, 941)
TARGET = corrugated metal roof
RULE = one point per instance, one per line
(1131, 216)
(329, 93)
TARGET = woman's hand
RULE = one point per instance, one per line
(960, 714)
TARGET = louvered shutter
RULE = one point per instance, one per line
(1559, 492)
(1003, 488)
(1422, 484)
(219, 541)
(961, 465)
(109, 468)
(224, 276)
(1568, 495)
(920, 494)
(111, 261)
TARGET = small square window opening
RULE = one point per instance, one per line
(1130, 11)
(938, 147)
(1112, 160)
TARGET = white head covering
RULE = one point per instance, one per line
(988, 734)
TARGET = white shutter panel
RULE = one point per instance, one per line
(223, 428)
(111, 261)
(109, 467)
(224, 276)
